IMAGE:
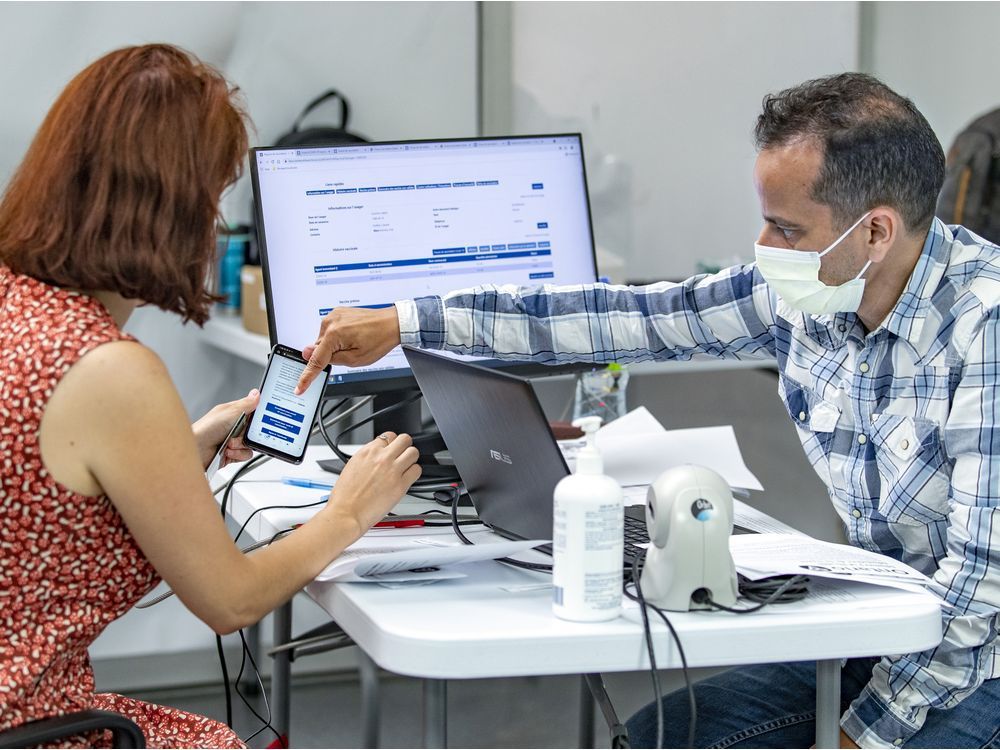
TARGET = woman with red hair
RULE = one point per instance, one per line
(102, 485)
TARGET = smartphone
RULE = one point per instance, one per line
(281, 424)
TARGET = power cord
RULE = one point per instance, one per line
(782, 589)
(335, 445)
(249, 465)
(429, 483)
(256, 462)
(772, 590)
(265, 722)
(657, 695)
(324, 425)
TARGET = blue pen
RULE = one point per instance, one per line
(307, 483)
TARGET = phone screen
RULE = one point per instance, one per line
(282, 422)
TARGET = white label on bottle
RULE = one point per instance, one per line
(587, 558)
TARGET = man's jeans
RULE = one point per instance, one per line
(774, 705)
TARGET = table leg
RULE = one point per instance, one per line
(435, 713)
(828, 703)
(369, 700)
(281, 671)
(586, 735)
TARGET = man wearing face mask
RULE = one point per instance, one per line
(885, 326)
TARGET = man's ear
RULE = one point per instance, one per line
(883, 227)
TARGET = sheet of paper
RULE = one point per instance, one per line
(639, 459)
(761, 555)
(637, 422)
(637, 449)
(368, 562)
(754, 520)
(635, 495)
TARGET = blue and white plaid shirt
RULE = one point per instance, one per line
(902, 424)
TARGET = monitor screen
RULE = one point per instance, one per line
(364, 225)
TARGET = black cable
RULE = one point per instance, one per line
(540, 567)
(248, 466)
(255, 461)
(225, 680)
(265, 722)
(335, 445)
(647, 632)
(773, 590)
(425, 483)
(323, 426)
(218, 638)
(321, 501)
(692, 703)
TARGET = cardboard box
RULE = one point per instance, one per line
(253, 304)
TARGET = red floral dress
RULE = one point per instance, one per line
(68, 564)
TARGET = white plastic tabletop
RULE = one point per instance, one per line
(498, 621)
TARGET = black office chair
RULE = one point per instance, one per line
(124, 733)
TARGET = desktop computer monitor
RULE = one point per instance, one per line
(363, 225)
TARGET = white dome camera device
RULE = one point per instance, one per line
(689, 514)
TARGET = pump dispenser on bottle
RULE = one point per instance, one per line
(588, 540)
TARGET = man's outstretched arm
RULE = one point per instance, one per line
(729, 314)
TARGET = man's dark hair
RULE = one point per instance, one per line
(877, 147)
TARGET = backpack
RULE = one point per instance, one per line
(970, 195)
(324, 134)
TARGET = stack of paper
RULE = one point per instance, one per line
(762, 555)
(415, 561)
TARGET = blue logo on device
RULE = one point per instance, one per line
(702, 509)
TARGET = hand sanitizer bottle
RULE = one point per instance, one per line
(587, 536)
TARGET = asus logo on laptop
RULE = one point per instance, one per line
(501, 457)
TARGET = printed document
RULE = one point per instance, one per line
(763, 555)
(421, 561)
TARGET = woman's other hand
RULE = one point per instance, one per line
(211, 430)
(375, 479)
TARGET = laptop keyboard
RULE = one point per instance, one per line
(635, 534)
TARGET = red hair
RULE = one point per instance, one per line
(120, 189)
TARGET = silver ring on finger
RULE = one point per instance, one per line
(383, 437)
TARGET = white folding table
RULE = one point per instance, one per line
(498, 622)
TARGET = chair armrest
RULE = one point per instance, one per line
(124, 732)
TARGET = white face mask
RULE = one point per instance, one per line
(794, 275)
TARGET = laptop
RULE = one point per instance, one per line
(502, 446)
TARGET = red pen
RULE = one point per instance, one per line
(403, 523)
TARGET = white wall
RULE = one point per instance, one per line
(46, 44)
(666, 95)
(943, 55)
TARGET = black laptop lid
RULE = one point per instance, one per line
(499, 438)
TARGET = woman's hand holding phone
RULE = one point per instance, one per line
(214, 427)
(375, 479)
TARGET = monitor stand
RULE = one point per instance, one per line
(406, 418)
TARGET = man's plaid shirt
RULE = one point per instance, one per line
(902, 424)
